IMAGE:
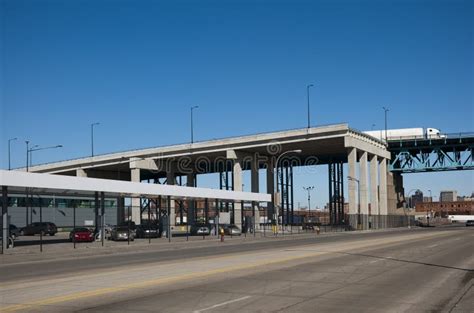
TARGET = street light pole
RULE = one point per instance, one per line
(9, 142)
(27, 169)
(34, 148)
(92, 137)
(386, 110)
(27, 154)
(192, 123)
(308, 189)
(307, 96)
(277, 186)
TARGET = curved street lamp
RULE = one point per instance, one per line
(29, 152)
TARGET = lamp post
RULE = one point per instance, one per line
(309, 189)
(307, 97)
(386, 110)
(408, 196)
(9, 143)
(192, 121)
(37, 148)
(29, 152)
(92, 137)
(277, 186)
(358, 197)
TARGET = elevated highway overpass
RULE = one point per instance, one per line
(278, 153)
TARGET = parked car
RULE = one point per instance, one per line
(147, 231)
(14, 231)
(232, 230)
(81, 234)
(38, 228)
(107, 230)
(126, 224)
(121, 233)
(470, 223)
(200, 230)
(11, 241)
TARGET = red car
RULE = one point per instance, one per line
(81, 235)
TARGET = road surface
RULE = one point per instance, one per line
(418, 270)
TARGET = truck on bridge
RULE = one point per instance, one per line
(406, 133)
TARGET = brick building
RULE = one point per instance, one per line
(447, 208)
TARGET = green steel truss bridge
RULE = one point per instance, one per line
(418, 154)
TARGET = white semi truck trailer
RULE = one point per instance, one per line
(406, 133)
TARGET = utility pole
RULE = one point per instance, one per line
(307, 96)
(386, 110)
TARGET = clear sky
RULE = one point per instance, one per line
(137, 66)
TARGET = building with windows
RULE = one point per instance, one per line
(447, 208)
(448, 196)
(416, 198)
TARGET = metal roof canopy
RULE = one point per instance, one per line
(54, 184)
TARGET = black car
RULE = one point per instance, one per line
(126, 224)
(39, 228)
(14, 231)
(147, 231)
(470, 223)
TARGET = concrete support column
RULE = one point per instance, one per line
(120, 210)
(374, 199)
(81, 172)
(237, 183)
(383, 193)
(5, 223)
(271, 189)
(364, 190)
(136, 207)
(353, 210)
(191, 182)
(255, 182)
(171, 180)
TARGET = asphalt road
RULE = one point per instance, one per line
(425, 270)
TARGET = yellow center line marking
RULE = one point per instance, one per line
(195, 275)
(153, 282)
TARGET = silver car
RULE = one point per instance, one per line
(122, 233)
(232, 230)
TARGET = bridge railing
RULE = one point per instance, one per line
(446, 136)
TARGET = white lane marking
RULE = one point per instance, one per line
(222, 304)
(432, 246)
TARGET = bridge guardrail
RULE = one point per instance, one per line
(441, 137)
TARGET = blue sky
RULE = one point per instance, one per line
(137, 66)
